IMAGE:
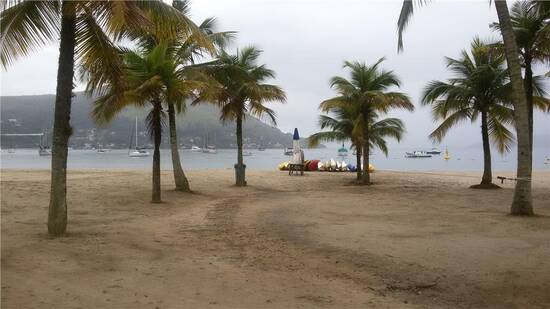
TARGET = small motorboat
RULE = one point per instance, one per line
(247, 153)
(288, 152)
(195, 149)
(434, 151)
(417, 154)
(261, 148)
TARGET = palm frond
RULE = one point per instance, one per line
(26, 26)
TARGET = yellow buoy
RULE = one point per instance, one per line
(446, 156)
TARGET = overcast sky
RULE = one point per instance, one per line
(306, 41)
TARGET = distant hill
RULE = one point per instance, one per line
(34, 114)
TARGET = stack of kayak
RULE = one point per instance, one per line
(327, 166)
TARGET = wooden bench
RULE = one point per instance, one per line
(295, 168)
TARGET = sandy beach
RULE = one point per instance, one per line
(412, 240)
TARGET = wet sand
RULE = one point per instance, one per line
(412, 240)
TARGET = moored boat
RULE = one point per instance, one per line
(342, 152)
(434, 151)
(417, 154)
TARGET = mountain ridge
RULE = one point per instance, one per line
(34, 114)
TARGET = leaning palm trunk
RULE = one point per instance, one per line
(182, 184)
(57, 212)
(522, 203)
(358, 161)
(157, 136)
(240, 179)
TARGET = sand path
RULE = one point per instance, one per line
(412, 240)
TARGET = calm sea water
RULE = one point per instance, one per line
(462, 159)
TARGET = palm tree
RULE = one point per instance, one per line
(88, 31)
(243, 92)
(152, 80)
(367, 89)
(186, 47)
(342, 128)
(187, 50)
(532, 33)
(522, 203)
(479, 88)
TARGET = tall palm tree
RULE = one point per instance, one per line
(152, 80)
(188, 48)
(479, 87)
(88, 31)
(243, 92)
(532, 33)
(522, 203)
(367, 89)
(342, 128)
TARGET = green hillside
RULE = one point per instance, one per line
(34, 114)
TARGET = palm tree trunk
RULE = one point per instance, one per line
(182, 184)
(528, 83)
(366, 159)
(358, 159)
(157, 136)
(57, 212)
(487, 171)
(522, 203)
(240, 167)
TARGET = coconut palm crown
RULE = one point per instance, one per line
(368, 90)
(243, 91)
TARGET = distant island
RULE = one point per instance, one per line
(200, 125)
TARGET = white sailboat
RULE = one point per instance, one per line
(210, 149)
(137, 152)
(43, 150)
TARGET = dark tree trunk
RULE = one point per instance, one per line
(366, 153)
(57, 212)
(157, 137)
(487, 171)
(529, 95)
(358, 159)
(366, 159)
(182, 184)
(240, 167)
(522, 203)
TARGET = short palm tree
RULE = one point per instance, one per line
(342, 128)
(367, 90)
(479, 88)
(242, 92)
(532, 33)
(522, 203)
(88, 31)
(152, 80)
